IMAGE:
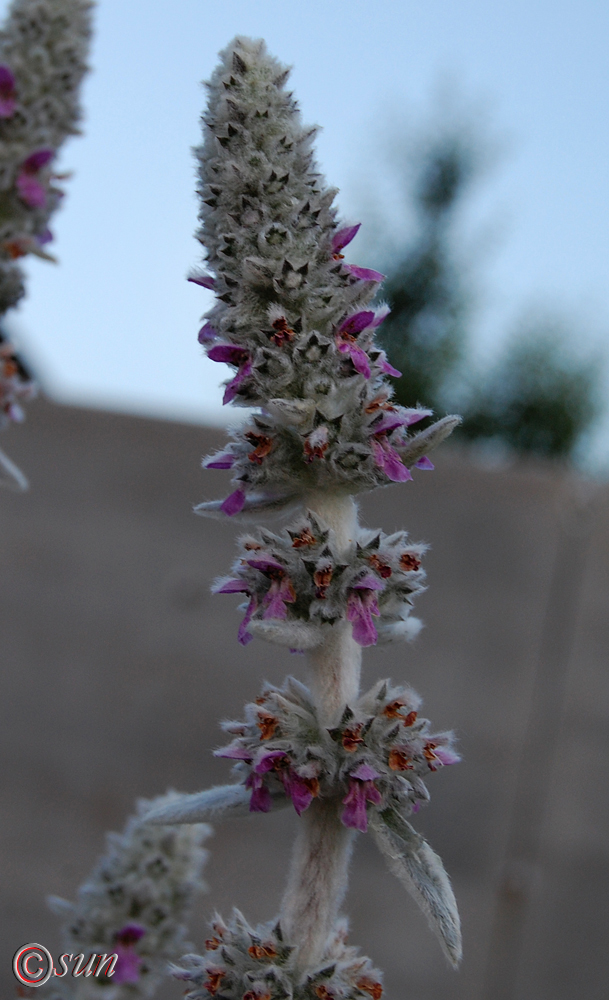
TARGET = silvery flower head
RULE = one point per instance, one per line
(135, 904)
(292, 316)
(43, 51)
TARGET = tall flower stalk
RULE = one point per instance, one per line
(43, 52)
(294, 319)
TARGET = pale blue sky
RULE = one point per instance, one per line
(115, 323)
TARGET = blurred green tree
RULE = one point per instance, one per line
(539, 396)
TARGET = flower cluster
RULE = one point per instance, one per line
(376, 757)
(291, 317)
(244, 963)
(16, 385)
(298, 578)
(136, 901)
(43, 48)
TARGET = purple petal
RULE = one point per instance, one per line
(127, 968)
(380, 315)
(387, 368)
(354, 814)
(424, 463)
(233, 587)
(298, 790)
(207, 334)
(357, 322)
(446, 756)
(233, 503)
(45, 237)
(219, 462)
(31, 191)
(233, 386)
(360, 616)
(230, 354)
(37, 160)
(360, 359)
(414, 415)
(204, 280)
(265, 565)
(234, 752)
(369, 582)
(365, 773)
(243, 635)
(389, 422)
(389, 461)
(343, 237)
(268, 760)
(275, 607)
(261, 800)
(364, 273)
(7, 106)
(130, 934)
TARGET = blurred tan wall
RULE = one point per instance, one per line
(116, 664)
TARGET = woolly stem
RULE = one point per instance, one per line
(317, 882)
(318, 876)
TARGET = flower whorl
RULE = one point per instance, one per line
(291, 316)
(245, 963)
(43, 51)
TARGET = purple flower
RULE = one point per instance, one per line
(386, 368)
(205, 280)
(8, 93)
(281, 591)
(361, 605)
(300, 790)
(45, 237)
(243, 635)
(424, 463)
(233, 386)
(233, 503)
(414, 414)
(127, 968)
(37, 160)
(207, 334)
(222, 460)
(238, 586)
(361, 790)
(29, 188)
(230, 354)
(342, 238)
(234, 752)
(346, 341)
(260, 800)
(387, 459)
(364, 273)
(233, 587)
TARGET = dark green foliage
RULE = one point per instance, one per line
(539, 396)
(425, 333)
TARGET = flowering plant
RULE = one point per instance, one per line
(43, 50)
(134, 905)
(295, 322)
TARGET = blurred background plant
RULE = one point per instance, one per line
(541, 393)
